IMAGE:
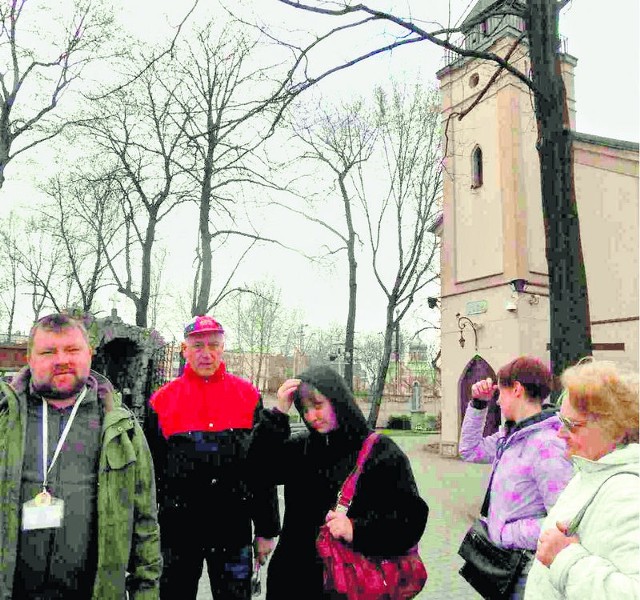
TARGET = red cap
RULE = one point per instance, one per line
(202, 324)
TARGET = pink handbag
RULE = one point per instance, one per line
(357, 576)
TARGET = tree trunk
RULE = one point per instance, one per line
(351, 320)
(378, 390)
(353, 287)
(257, 381)
(5, 144)
(569, 322)
(204, 289)
(201, 303)
(142, 305)
(261, 341)
(12, 310)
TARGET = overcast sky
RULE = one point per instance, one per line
(602, 36)
(605, 42)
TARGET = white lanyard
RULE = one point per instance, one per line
(63, 437)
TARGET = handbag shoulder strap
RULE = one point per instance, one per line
(503, 442)
(349, 486)
(575, 522)
(484, 509)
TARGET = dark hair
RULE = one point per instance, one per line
(332, 385)
(56, 322)
(534, 376)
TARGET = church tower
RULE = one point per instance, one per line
(494, 272)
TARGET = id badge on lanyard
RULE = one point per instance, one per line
(46, 511)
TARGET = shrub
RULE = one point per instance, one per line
(422, 422)
(399, 422)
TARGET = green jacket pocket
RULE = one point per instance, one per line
(120, 452)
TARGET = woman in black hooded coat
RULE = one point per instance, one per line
(387, 515)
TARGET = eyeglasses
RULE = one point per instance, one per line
(570, 424)
(201, 346)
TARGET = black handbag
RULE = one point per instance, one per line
(491, 570)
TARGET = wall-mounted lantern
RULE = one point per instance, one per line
(518, 286)
(462, 323)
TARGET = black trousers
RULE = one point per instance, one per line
(184, 550)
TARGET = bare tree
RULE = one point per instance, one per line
(370, 356)
(39, 260)
(423, 324)
(139, 137)
(38, 75)
(81, 220)
(224, 93)
(35, 265)
(255, 316)
(324, 343)
(399, 227)
(156, 286)
(295, 336)
(10, 261)
(570, 327)
(340, 141)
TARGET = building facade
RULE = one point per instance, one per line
(494, 270)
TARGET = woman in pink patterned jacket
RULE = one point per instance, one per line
(530, 466)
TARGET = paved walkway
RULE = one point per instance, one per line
(454, 491)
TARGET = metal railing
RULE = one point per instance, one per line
(15, 339)
(451, 56)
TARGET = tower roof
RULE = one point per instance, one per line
(486, 6)
(479, 7)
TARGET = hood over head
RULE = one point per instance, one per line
(329, 383)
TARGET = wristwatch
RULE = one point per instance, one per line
(479, 403)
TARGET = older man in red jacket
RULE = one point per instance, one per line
(208, 499)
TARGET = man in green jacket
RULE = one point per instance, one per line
(78, 516)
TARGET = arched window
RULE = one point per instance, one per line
(476, 167)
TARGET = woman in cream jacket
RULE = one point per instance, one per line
(601, 560)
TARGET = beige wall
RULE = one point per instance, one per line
(607, 193)
(477, 220)
(567, 67)
(502, 334)
(495, 230)
(494, 234)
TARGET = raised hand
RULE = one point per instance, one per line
(285, 394)
(483, 389)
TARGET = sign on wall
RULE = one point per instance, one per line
(476, 308)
